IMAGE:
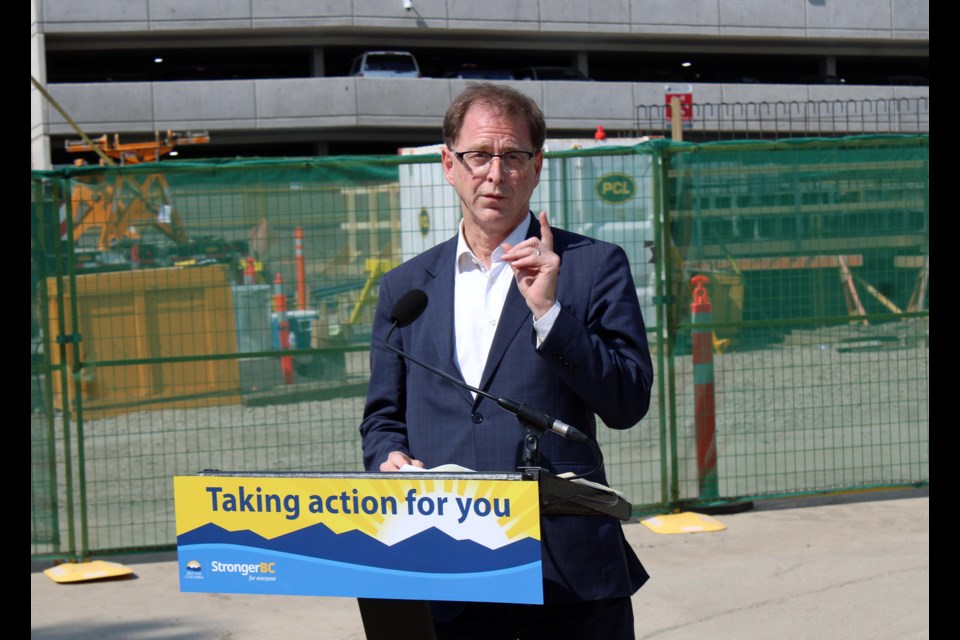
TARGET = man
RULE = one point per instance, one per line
(519, 310)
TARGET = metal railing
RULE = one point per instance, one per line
(778, 120)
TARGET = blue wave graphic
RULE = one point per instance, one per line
(431, 551)
(279, 573)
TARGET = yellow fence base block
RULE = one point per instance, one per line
(687, 522)
(81, 571)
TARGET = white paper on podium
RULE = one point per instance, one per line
(443, 467)
(596, 485)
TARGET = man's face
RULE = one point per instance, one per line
(493, 199)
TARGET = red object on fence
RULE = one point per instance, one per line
(704, 413)
(684, 95)
(283, 328)
(250, 271)
(301, 270)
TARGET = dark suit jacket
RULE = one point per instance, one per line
(595, 361)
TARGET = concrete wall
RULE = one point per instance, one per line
(874, 19)
(332, 103)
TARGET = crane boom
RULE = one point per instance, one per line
(137, 152)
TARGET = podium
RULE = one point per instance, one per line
(560, 496)
(393, 541)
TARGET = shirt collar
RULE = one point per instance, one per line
(465, 258)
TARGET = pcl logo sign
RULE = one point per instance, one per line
(615, 188)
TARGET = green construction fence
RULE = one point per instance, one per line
(217, 315)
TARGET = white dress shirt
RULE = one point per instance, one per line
(479, 294)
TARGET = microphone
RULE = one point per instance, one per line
(408, 308)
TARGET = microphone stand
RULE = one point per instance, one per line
(531, 444)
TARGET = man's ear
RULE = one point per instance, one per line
(537, 167)
(447, 159)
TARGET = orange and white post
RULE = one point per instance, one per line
(704, 411)
(283, 328)
(301, 270)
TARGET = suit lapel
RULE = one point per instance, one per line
(513, 318)
(439, 292)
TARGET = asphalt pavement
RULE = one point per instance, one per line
(855, 566)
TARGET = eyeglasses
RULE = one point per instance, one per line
(479, 161)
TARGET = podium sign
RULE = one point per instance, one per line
(409, 536)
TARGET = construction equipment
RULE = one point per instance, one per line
(115, 207)
(137, 152)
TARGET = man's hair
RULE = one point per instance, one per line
(501, 98)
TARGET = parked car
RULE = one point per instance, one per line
(385, 64)
(473, 72)
(549, 73)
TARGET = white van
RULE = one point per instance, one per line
(385, 64)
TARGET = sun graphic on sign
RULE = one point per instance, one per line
(493, 514)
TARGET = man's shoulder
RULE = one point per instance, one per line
(564, 240)
(428, 260)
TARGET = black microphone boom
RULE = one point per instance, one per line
(540, 420)
(408, 308)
